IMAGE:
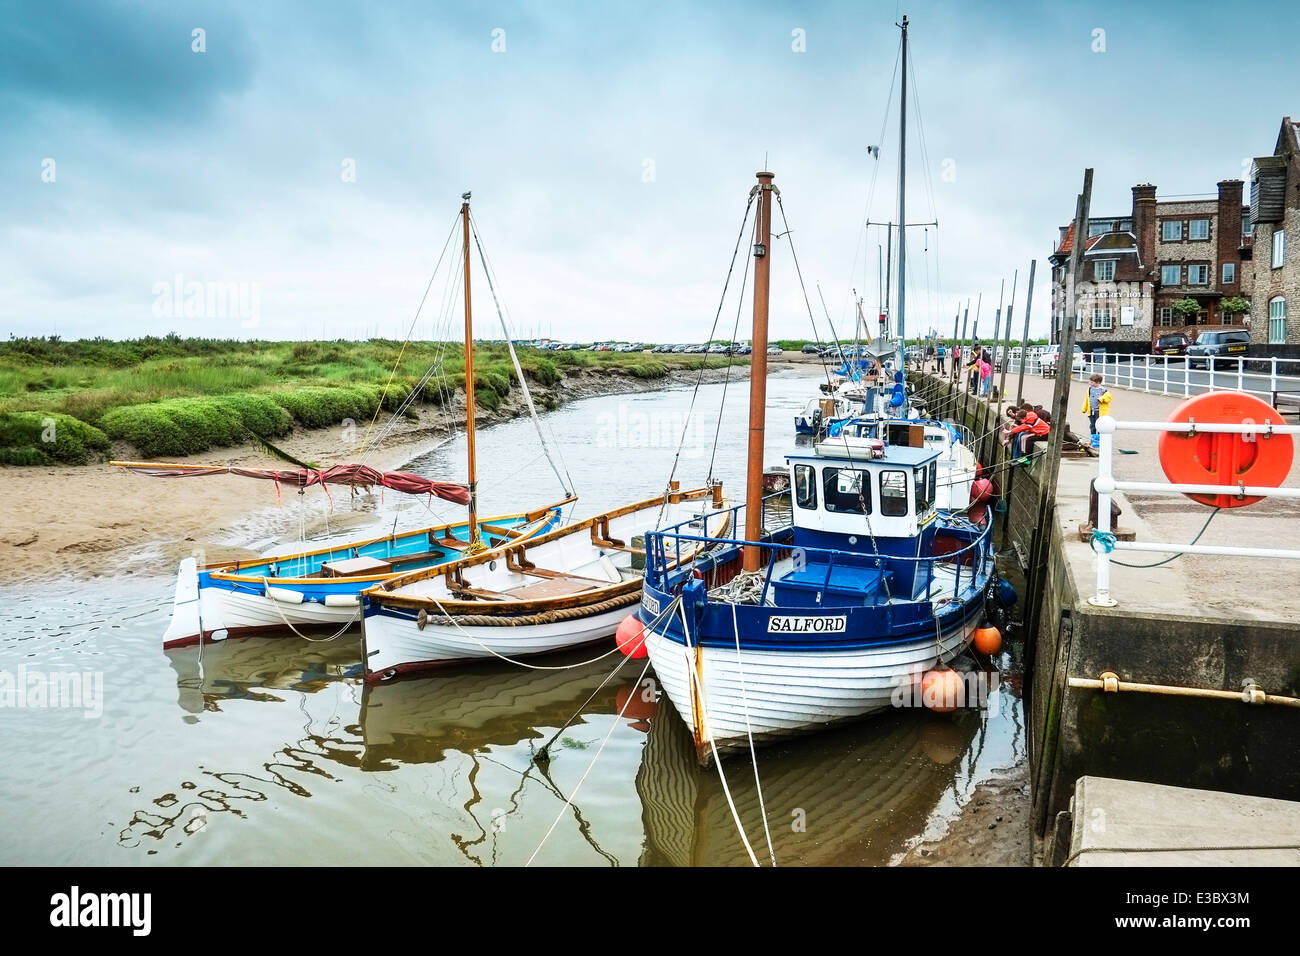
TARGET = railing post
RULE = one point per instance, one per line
(1146, 380)
(1209, 367)
(1105, 485)
(1241, 373)
(1164, 390)
(1272, 378)
(1187, 375)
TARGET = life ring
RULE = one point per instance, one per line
(1225, 458)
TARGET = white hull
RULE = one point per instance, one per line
(240, 612)
(785, 692)
(393, 642)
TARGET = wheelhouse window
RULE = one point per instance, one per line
(933, 469)
(922, 492)
(846, 491)
(893, 493)
(805, 486)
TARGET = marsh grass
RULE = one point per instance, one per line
(175, 396)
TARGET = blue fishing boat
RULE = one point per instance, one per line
(843, 610)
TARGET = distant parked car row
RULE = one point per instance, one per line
(716, 348)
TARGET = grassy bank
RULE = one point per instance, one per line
(67, 401)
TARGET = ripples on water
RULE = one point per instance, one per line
(270, 750)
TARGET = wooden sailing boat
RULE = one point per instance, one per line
(839, 617)
(320, 590)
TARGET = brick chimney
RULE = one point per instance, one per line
(1144, 224)
(1229, 239)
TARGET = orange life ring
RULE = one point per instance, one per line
(1222, 458)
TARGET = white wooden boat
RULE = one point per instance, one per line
(568, 587)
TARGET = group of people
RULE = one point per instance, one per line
(1026, 425)
(979, 368)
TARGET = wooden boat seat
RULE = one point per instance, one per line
(555, 587)
(448, 542)
(464, 590)
(562, 575)
(355, 567)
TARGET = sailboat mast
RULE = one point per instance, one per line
(758, 374)
(469, 379)
(902, 199)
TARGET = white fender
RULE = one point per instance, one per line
(343, 600)
(283, 595)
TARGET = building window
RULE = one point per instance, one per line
(1276, 320)
(1097, 227)
(1171, 275)
(1229, 273)
(1198, 275)
(1246, 228)
(1104, 271)
(1279, 248)
(1198, 229)
(1101, 320)
(1165, 315)
(1171, 230)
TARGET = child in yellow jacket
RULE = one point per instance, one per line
(1096, 402)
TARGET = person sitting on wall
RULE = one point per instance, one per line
(1037, 432)
(1031, 426)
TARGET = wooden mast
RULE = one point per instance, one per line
(469, 379)
(758, 374)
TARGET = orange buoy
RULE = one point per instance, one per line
(631, 637)
(988, 640)
(942, 691)
(1222, 458)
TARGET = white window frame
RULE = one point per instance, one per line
(1109, 270)
(1229, 273)
(1204, 272)
(1191, 230)
(1098, 315)
(1165, 281)
(1276, 320)
(1279, 248)
(1163, 313)
(1164, 231)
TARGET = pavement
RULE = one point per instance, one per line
(1231, 588)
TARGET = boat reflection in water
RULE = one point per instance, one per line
(850, 796)
(477, 706)
(255, 668)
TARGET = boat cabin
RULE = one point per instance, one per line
(863, 515)
(866, 489)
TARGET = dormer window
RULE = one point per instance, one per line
(1104, 270)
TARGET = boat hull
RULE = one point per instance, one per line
(774, 693)
(395, 644)
(235, 602)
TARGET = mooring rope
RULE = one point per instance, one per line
(749, 733)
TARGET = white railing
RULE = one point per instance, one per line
(1267, 377)
(1103, 539)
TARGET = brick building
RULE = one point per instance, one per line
(1135, 267)
(1275, 215)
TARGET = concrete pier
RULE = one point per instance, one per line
(1126, 823)
(1207, 623)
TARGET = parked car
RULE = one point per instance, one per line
(812, 348)
(1217, 343)
(1171, 343)
(774, 350)
(1052, 356)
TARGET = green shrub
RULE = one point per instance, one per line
(23, 438)
(186, 426)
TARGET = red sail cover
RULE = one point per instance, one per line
(355, 475)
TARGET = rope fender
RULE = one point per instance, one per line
(521, 620)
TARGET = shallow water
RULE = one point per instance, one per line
(270, 750)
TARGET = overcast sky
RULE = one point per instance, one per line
(312, 155)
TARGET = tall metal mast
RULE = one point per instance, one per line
(469, 379)
(902, 199)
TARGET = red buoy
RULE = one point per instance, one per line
(1222, 458)
(631, 637)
